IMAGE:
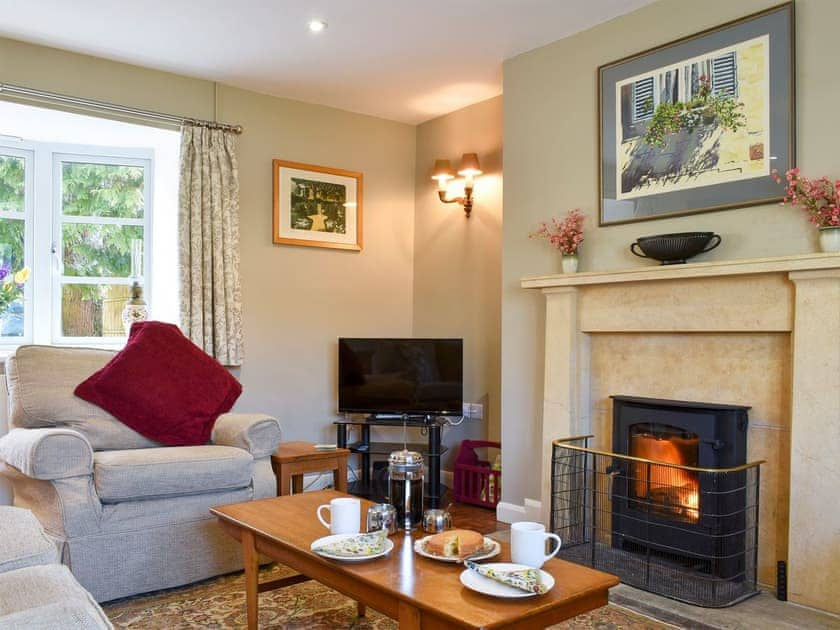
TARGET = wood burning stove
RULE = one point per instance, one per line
(665, 508)
(661, 515)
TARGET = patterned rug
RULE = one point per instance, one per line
(219, 604)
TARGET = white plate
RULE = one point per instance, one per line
(486, 586)
(326, 540)
(420, 548)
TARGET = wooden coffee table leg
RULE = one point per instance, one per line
(361, 609)
(252, 577)
(409, 617)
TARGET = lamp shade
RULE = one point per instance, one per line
(442, 170)
(469, 165)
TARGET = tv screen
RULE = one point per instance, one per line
(400, 376)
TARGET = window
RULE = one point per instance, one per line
(15, 221)
(643, 104)
(719, 73)
(70, 213)
(75, 191)
(725, 75)
(102, 210)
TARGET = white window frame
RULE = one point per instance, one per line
(43, 236)
(20, 149)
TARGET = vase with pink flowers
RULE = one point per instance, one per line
(565, 235)
(820, 199)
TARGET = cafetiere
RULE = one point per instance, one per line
(405, 487)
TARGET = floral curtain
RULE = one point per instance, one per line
(208, 225)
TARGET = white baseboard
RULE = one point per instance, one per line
(534, 511)
(511, 512)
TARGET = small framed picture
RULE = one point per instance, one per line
(698, 124)
(317, 206)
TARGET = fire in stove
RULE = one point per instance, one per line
(668, 491)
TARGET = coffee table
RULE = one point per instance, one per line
(416, 591)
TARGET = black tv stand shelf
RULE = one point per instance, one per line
(431, 451)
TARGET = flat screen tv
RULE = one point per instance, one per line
(401, 376)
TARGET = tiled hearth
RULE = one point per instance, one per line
(763, 333)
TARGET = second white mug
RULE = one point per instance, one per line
(345, 515)
(527, 544)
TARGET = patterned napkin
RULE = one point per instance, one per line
(358, 546)
(528, 580)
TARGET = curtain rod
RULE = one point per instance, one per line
(85, 103)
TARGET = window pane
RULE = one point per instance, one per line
(12, 183)
(93, 310)
(99, 251)
(11, 322)
(11, 260)
(102, 190)
(11, 243)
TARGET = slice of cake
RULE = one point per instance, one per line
(455, 543)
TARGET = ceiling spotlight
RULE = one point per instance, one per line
(316, 26)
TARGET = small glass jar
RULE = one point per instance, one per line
(405, 487)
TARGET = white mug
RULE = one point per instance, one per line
(345, 515)
(527, 544)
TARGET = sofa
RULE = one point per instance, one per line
(128, 515)
(36, 591)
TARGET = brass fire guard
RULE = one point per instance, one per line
(684, 532)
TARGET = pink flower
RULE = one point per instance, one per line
(819, 198)
(565, 234)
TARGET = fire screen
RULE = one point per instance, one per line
(692, 533)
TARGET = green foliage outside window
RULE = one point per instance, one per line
(12, 184)
(669, 118)
(89, 249)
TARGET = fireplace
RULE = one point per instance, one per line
(666, 507)
(672, 508)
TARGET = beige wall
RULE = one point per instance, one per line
(297, 300)
(551, 157)
(457, 261)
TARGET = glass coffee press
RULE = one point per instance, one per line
(405, 485)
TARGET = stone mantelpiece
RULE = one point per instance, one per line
(762, 332)
(650, 273)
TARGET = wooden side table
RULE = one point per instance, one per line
(292, 459)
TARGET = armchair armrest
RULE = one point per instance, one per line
(47, 453)
(256, 433)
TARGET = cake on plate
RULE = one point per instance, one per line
(455, 543)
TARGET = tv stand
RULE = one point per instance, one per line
(431, 451)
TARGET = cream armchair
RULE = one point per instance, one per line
(129, 515)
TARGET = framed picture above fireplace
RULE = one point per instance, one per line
(317, 206)
(698, 124)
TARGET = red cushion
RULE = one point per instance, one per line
(163, 386)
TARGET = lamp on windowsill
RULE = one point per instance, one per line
(469, 169)
(135, 309)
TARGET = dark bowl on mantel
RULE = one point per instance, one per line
(672, 249)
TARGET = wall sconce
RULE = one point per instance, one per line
(470, 169)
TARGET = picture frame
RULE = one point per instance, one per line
(317, 206)
(697, 124)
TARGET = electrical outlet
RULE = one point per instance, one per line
(473, 411)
